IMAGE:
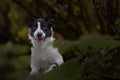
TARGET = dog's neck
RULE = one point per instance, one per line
(47, 42)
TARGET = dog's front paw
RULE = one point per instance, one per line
(34, 71)
(50, 68)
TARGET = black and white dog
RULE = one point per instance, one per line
(44, 56)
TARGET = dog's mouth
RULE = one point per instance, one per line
(40, 41)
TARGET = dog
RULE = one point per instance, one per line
(44, 57)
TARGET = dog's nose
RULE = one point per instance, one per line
(39, 34)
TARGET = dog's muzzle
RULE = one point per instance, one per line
(39, 38)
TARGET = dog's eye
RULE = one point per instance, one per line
(34, 28)
(44, 28)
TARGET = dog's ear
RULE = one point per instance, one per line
(50, 19)
(29, 21)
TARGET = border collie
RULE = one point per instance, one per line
(44, 57)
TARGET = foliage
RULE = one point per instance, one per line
(93, 42)
(98, 56)
(14, 61)
(118, 21)
(103, 65)
(68, 71)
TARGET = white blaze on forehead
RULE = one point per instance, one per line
(39, 25)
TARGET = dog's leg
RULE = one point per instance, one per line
(58, 62)
(34, 68)
(34, 71)
(50, 68)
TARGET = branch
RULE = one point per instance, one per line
(20, 3)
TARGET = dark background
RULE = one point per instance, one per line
(87, 34)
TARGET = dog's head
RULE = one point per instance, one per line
(40, 29)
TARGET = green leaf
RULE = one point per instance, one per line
(117, 21)
(96, 42)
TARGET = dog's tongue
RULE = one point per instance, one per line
(40, 42)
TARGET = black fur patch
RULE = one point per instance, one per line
(45, 26)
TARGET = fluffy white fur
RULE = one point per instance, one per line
(45, 57)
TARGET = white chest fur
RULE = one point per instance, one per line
(44, 58)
